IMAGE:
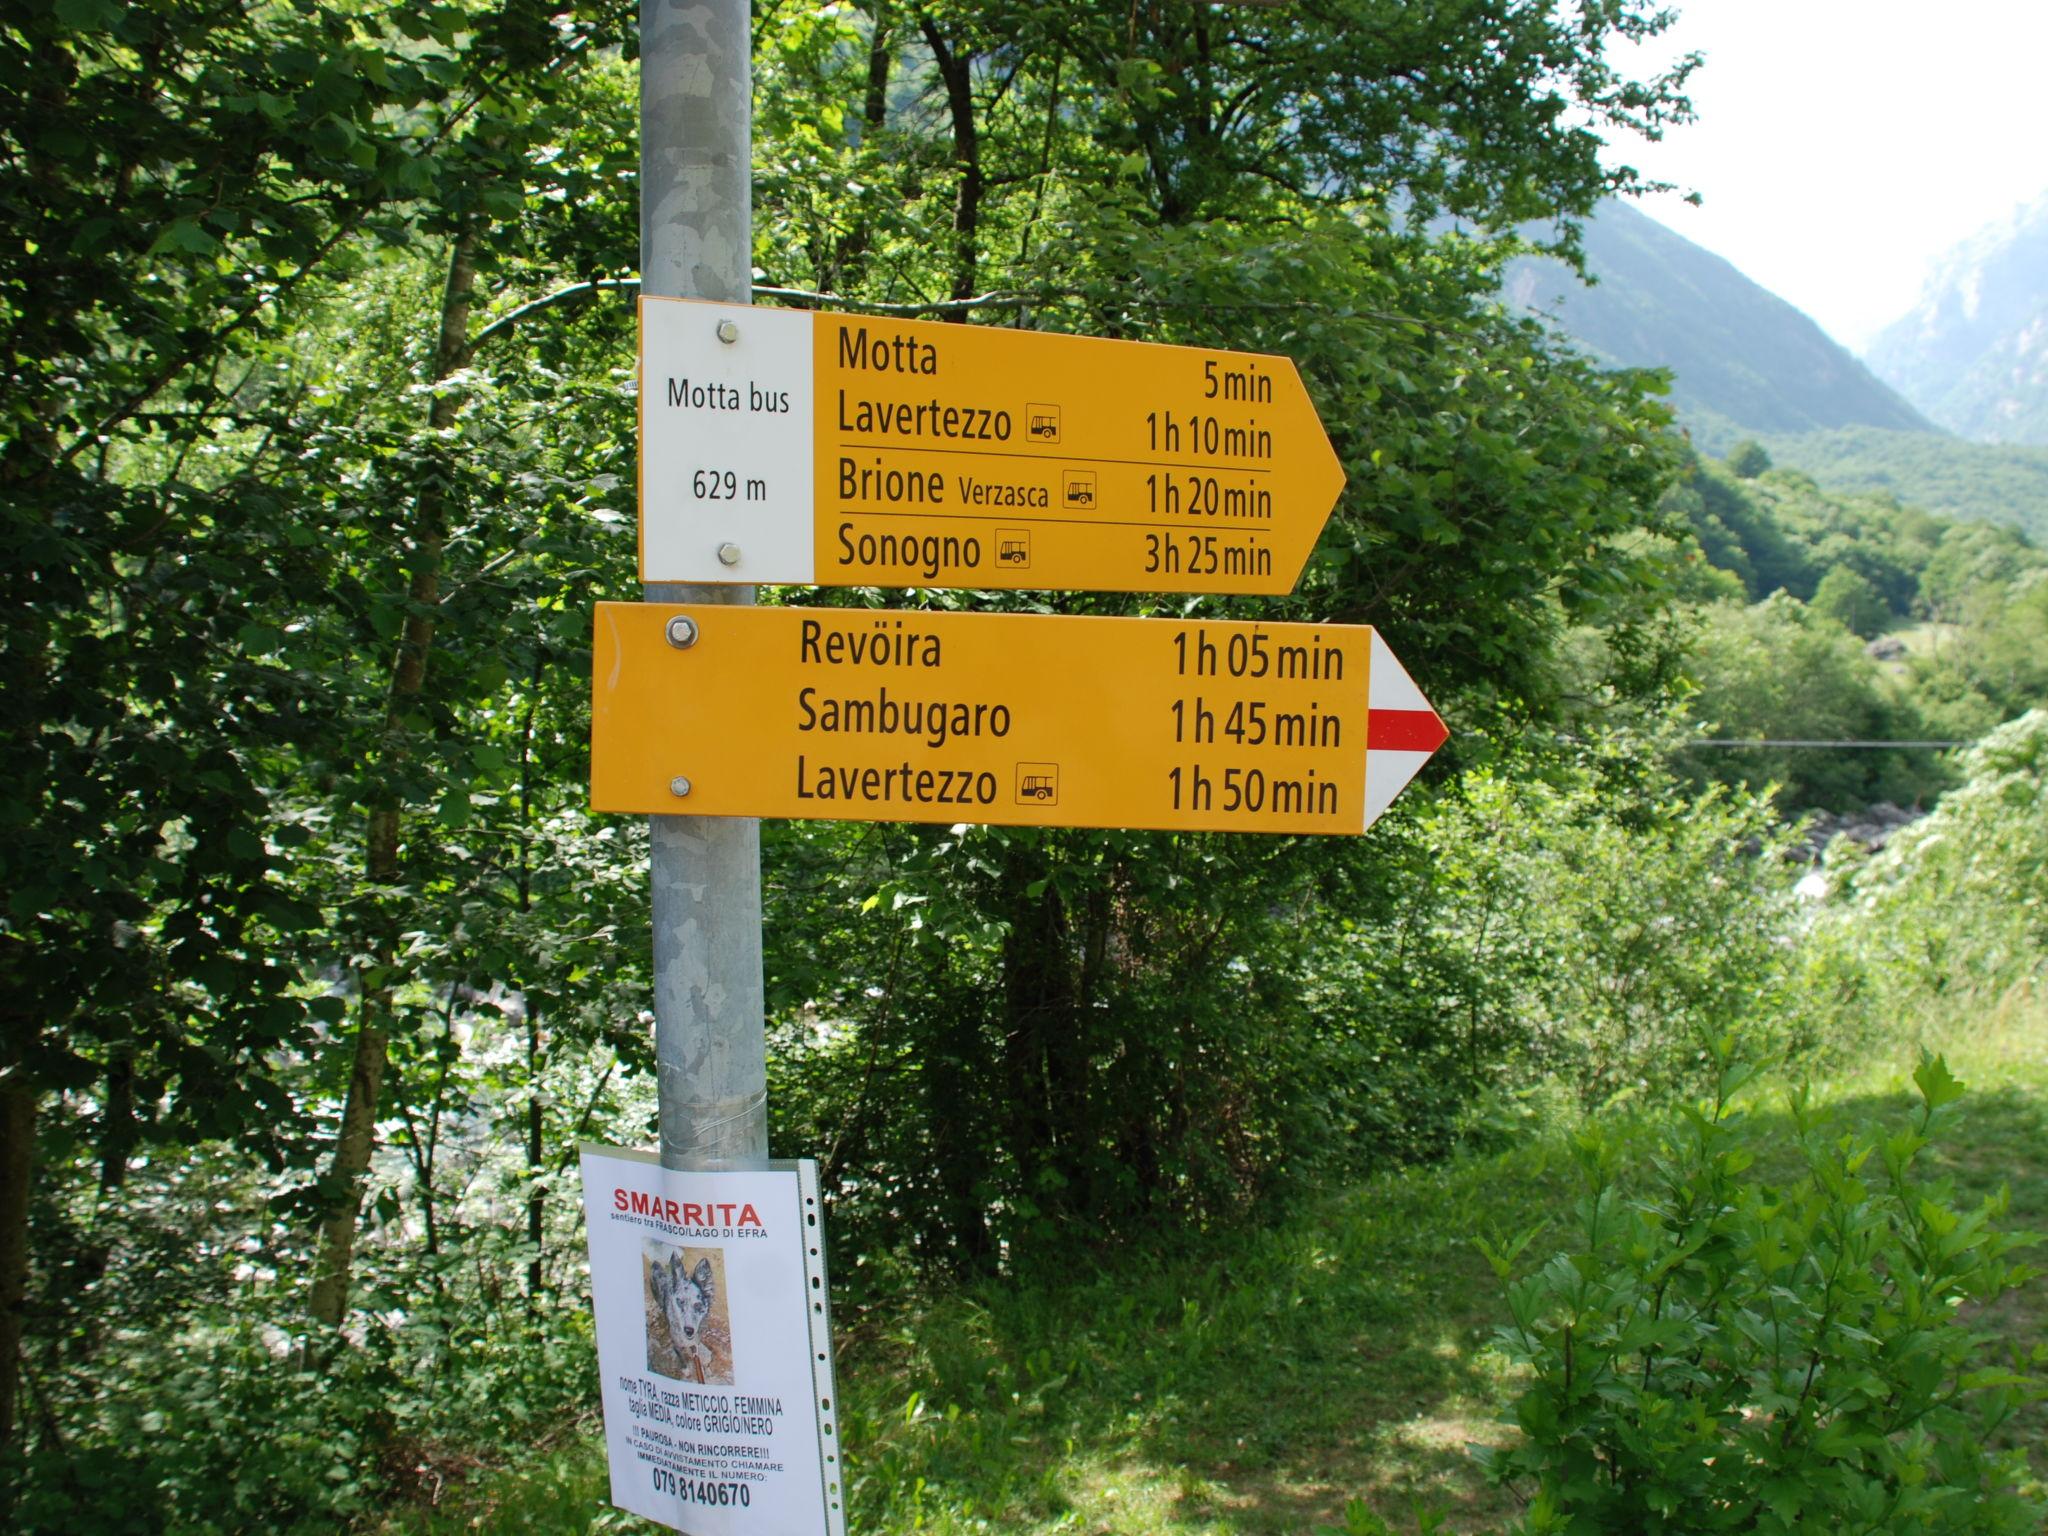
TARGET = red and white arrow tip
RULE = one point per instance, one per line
(1401, 730)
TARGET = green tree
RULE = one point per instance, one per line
(1063, 1023)
(1994, 665)
(1970, 558)
(221, 551)
(175, 177)
(1852, 602)
(1747, 459)
(1737, 531)
(1775, 671)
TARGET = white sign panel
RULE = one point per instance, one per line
(725, 443)
(713, 1337)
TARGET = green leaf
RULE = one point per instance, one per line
(184, 234)
(1937, 1085)
(89, 15)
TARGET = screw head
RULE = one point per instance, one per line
(728, 332)
(728, 554)
(682, 633)
(679, 786)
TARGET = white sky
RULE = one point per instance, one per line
(1843, 145)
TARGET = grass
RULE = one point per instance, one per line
(1260, 1383)
(1926, 638)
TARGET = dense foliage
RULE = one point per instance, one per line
(305, 506)
(1788, 582)
(1725, 1350)
(1950, 906)
(1979, 482)
(1806, 1342)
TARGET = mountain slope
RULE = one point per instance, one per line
(1973, 352)
(1979, 482)
(1745, 362)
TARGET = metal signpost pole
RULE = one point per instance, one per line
(696, 227)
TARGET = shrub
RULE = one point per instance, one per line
(1747, 459)
(1852, 600)
(1604, 934)
(1726, 1354)
(1776, 670)
(1952, 907)
(213, 1429)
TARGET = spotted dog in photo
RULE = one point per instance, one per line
(689, 1329)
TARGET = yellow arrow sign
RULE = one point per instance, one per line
(843, 450)
(1010, 719)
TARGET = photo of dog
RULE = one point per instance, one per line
(689, 1330)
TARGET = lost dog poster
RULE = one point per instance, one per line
(713, 1340)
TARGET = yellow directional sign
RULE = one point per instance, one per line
(844, 450)
(1013, 719)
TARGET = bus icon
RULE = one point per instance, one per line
(1013, 549)
(1077, 488)
(1038, 783)
(1042, 423)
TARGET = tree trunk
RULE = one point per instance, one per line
(117, 1123)
(358, 1138)
(17, 1158)
(1038, 997)
(118, 1134)
(962, 1105)
(956, 71)
(881, 54)
(1082, 1112)
(536, 1114)
(849, 255)
(351, 1161)
(536, 1124)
